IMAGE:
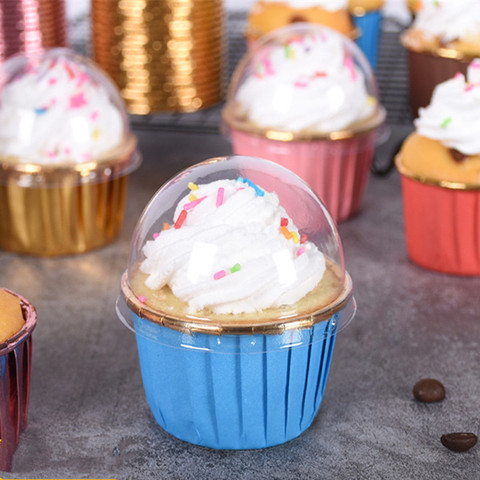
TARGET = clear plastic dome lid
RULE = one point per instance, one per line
(57, 110)
(303, 81)
(232, 244)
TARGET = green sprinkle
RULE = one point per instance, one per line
(446, 122)
(235, 268)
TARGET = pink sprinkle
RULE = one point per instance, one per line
(475, 63)
(69, 70)
(458, 75)
(220, 194)
(220, 274)
(469, 87)
(268, 66)
(350, 66)
(94, 115)
(155, 235)
(141, 299)
(53, 101)
(300, 251)
(78, 100)
(189, 206)
(82, 79)
(300, 84)
(87, 156)
(67, 150)
(51, 153)
(52, 81)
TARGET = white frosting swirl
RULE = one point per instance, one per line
(331, 5)
(55, 112)
(448, 19)
(233, 258)
(453, 116)
(311, 83)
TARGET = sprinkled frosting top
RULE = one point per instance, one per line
(448, 20)
(233, 249)
(331, 5)
(309, 83)
(55, 111)
(454, 112)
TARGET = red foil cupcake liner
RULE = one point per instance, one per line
(442, 227)
(15, 369)
(337, 170)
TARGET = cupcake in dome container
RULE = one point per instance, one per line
(66, 150)
(367, 18)
(236, 290)
(440, 168)
(443, 39)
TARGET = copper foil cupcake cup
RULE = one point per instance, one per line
(15, 370)
(50, 210)
(442, 221)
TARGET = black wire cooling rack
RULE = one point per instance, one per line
(391, 77)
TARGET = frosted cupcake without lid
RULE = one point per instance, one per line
(59, 112)
(304, 81)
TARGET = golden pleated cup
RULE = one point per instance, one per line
(74, 205)
(164, 56)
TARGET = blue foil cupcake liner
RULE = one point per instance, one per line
(236, 391)
(369, 40)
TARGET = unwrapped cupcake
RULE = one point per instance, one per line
(66, 150)
(306, 98)
(236, 290)
(443, 39)
(440, 167)
(268, 15)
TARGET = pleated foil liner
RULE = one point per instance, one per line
(30, 26)
(59, 212)
(15, 371)
(336, 170)
(442, 225)
(163, 56)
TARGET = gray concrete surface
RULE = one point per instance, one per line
(88, 416)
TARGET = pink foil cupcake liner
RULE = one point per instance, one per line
(337, 170)
(15, 370)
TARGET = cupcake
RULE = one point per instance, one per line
(235, 290)
(440, 167)
(65, 154)
(306, 98)
(443, 39)
(17, 321)
(268, 15)
(367, 17)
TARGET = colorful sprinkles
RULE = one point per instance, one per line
(223, 273)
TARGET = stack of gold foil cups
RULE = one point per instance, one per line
(29, 26)
(165, 56)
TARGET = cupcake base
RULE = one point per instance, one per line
(15, 368)
(369, 25)
(426, 71)
(235, 391)
(441, 226)
(337, 170)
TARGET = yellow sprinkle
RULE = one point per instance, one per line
(371, 100)
(295, 237)
(192, 197)
(192, 186)
(96, 134)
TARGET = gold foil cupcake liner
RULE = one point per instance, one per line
(163, 56)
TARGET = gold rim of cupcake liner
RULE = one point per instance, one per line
(448, 184)
(286, 136)
(441, 52)
(30, 318)
(204, 325)
(121, 161)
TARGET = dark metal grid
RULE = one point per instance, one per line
(391, 77)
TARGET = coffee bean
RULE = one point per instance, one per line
(429, 390)
(459, 441)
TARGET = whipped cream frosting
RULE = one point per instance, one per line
(453, 116)
(330, 5)
(233, 249)
(309, 84)
(55, 112)
(448, 20)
